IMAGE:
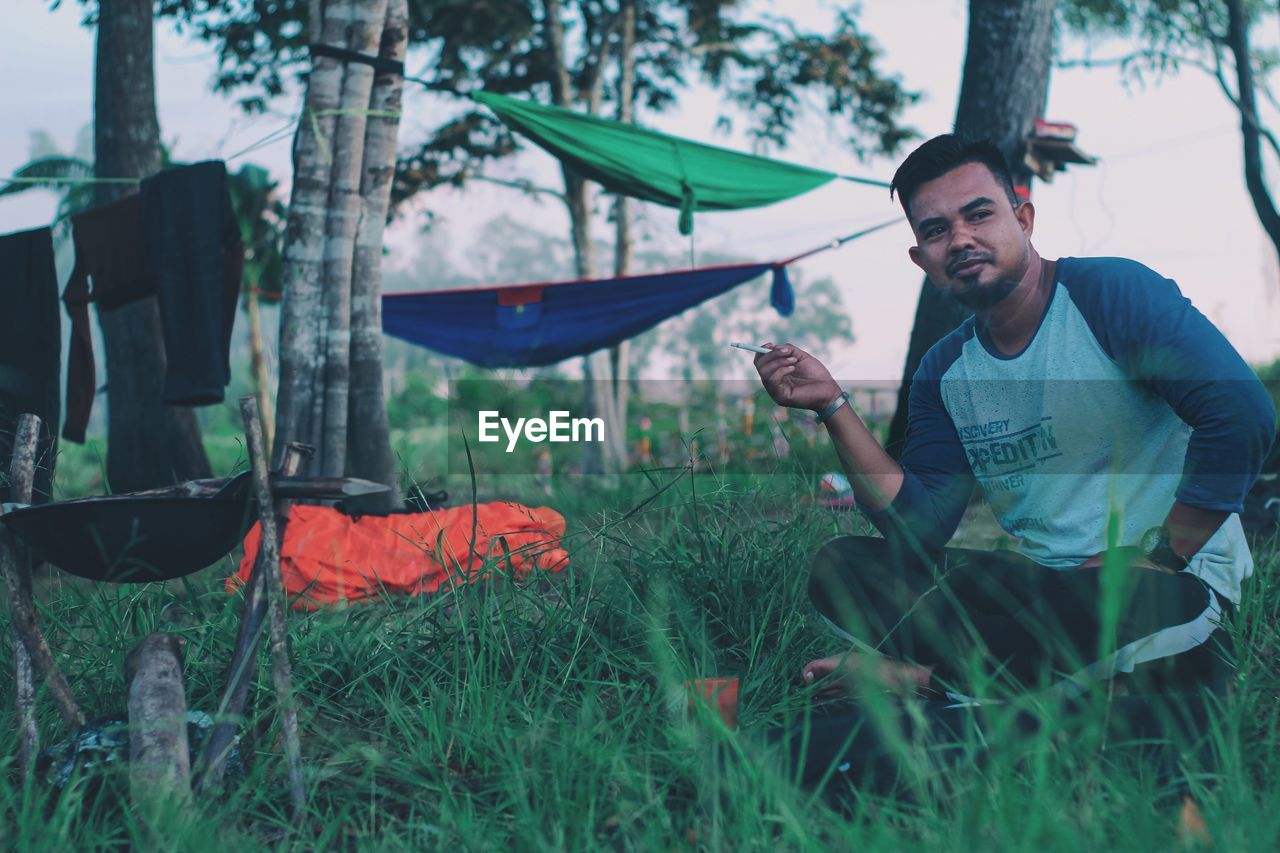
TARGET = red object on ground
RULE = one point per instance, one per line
(719, 694)
(329, 557)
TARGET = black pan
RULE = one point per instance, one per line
(137, 538)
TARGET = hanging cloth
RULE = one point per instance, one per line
(528, 325)
(178, 240)
(654, 166)
(30, 348)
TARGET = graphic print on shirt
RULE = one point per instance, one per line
(1002, 453)
(997, 451)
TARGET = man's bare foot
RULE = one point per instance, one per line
(855, 670)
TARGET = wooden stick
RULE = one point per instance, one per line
(159, 762)
(24, 702)
(24, 694)
(31, 650)
(281, 672)
(212, 764)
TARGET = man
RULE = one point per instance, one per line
(1094, 406)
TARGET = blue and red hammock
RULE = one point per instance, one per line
(529, 325)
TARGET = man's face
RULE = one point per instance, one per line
(970, 241)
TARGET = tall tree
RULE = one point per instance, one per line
(344, 157)
(148, 443)
(1003, 90)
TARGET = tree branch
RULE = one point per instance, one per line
(1108, 62)
(1242, 99)
(1215, 71)
(524, 185)
(561, 95)
(593, 63)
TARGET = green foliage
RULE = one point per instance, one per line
(1169, 34)
(415, 404)
(62, 175)
(765, 66)
(261, 215)
(49, 172)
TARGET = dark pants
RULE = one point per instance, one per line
(849, 747)
(995, 621)
(1002, 616)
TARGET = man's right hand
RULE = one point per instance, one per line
(795, 379)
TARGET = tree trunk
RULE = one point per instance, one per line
(1250, 127)
(620, 356)
(148, 443)
(363, 36)
(597, 402)
(302, 354)
(1002, 92)
(597, 368)
(369, 440)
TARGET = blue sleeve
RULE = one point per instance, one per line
(938, 481)
(1159, 339)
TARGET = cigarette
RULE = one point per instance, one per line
(751, 347)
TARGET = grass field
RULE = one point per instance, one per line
(548, 715)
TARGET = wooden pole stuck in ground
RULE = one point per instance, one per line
(24, 705)
(264, 601)
(20, 475)
(159, 761)
(212, 763)
(31, 651)
(281, 671)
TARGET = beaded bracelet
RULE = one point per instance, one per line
(832, 409)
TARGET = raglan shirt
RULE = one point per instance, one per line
(1126, 399)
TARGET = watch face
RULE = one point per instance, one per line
(1152, 539)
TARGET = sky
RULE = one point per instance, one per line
(1168, 190)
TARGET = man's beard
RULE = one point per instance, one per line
(979, 298)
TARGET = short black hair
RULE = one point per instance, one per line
(940, 155)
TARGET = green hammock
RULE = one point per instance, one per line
(653, 166)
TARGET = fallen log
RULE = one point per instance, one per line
(159, 762)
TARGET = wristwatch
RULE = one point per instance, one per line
(1156, 547)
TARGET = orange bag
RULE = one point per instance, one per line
(329, 557)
